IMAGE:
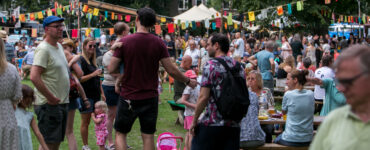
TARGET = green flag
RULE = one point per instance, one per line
(230, 19)
(299, 5)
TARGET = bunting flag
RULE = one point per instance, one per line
(198, 24)
(299, 5)
(163, 19)
(186, 24)
(50, 13)
(263, 14)
(22, 18)
(235, 26)
(327, 1)
(111, 31)
(218, 22)
(127, 18)
(96, 12)
(85, 8)
(280, 10)
(39, 15)
(183, 26)
(170, 28)
(345, 18)
(230, 19)
(333, 16)
(206, 23)
(225, 25)
(213, 26)
(87, 32)
(32, 16)
(74, 33)
(363, 18)
(59, 11)
(158, 29)
(119, 17)
(225, 13)
(106, 14)
(34, 33)
(97, 33)
(112, 16)
(5, 20)
(251, 16)
(289, 9)
(193, 25)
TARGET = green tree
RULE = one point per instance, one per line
(159, 6)
(36, 5)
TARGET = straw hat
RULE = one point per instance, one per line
(69, 42)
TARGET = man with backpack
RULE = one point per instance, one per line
(224, 96)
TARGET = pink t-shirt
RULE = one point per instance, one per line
(102, 126)
(140, 53)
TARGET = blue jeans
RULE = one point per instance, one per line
(279, 140)
(269, 84)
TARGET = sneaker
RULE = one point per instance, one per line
(112, 147)
(86, 147)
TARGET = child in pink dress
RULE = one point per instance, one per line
(100, 118)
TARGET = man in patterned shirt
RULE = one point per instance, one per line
(212, 131)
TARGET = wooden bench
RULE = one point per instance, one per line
(175, 106)
(273, 146)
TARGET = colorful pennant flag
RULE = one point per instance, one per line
(59, 11)
(39, 15)
(230, 19)
(128, 18)
(32, 16)
(235, 26)
(163, 19)
(327, 1)
(87, 32)
(85, 8)
(183, 26)
(113, 16)
(225, 25)
(96, 12)
(193, 25)
(111, 31)
(34, 32)
(218, 22)
(206, 23)
(158, 29)
(170, 28)
(50, 13)
(299, 5)
(280, 10)
(213, 26)
(289, 9)
(74, 33)
(251, 16)
(97, 33)
(22, 18)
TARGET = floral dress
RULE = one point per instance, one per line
(10, 92)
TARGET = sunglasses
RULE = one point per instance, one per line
(92, 46)
(349, 81)
(57, 26)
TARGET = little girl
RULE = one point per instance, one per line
(189, 99)
(25, 120)
(100, 118)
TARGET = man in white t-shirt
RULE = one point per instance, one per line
(322, 73)
(103, 39)
(238, 45)
(193, 52)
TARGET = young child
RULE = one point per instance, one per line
(100, 118)
(189, 99)
(25, 120)
(299, 61)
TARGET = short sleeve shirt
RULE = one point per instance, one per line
(333, 97)
(109, 80)
(193, 97)
(56, 73)
(263, 60)
(240, 50)
(141, 53)
(300, 106)
(212, 77)
(322, 73)
(194, 54)
(297, 48)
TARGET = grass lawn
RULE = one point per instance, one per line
(165, 123)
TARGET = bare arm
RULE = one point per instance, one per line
(272, 63)
(77, 70)
(38, 134)
(175, 73)
(91, 75)
(114, 65)
(184, 100)
(96, 120)
(251, 60)
(316, 81)
(201, 104)
(40, 85)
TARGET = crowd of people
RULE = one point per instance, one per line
(123, 84)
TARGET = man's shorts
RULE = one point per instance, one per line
(52, 121)
(146, 110)
(26, 68)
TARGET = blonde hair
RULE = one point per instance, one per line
(3, 62)
(102, 105)
(258, 78)
(84, 53)
(289, 61)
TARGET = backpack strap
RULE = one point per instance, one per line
(223, 63)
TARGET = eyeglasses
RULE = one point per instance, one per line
(349, 81)
(57, 26)
(92, 46)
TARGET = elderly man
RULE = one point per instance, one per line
(348, 127)
(238, 45)
(49, 74)
(193, 52)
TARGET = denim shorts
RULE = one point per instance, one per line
(84, 110)
(52, 120)
(146, 110)
(74, 104)
(110, 95)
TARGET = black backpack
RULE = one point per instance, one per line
(234, 99)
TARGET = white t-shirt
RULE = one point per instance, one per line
(322, 73)
(194, 54)
(103, 39)
(109, 80)
(240, 50)
(193, 96)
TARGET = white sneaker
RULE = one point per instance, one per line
(86, 147)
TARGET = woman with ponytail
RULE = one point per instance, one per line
(298, 105)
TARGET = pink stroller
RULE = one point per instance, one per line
(168, 141)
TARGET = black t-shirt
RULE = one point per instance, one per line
(91, 86)
(178, 87)
(297, 48)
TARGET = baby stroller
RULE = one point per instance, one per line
(168, 141)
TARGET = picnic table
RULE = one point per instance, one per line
(317, 120)
(281, 90)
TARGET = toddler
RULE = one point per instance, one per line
(189, 99)
(25, 119)
(100, 118)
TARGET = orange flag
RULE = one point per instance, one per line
(280, 10)
(111, 31)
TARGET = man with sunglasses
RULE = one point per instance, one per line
(348, 127)
(141, 53)
(49, 74)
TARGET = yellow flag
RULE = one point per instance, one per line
(235, 26)
(87, 33)
(22, 17)
(183, 26)
(34, 33)
(50, 13)
(39, 15)
(96, 12)
(251, 16)
(163, 19)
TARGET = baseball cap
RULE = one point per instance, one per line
(51, 19)
(190, 74)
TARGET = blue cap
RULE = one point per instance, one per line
(51, 19)
(276, 53)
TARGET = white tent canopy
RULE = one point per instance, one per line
(199, 13)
